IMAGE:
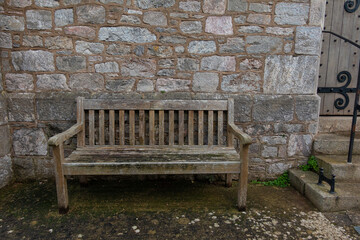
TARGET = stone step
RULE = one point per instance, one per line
(335, 143)
(346, 196)
(337, 165)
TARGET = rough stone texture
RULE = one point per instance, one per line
(120, 85)
(291, 13)
(190, 6)
(5, 40)
(130, 19)
(20, 3)
(19, 82)
(288, 128)
(279, 168)
(29, 142)
(166, 72)
(240, 19)
(32, 41)
(290, 75)
(58, 42)
(160, 51)
(145, 85)
(64, 17)
(243, 82)
(219, 63)
(57, 107)
(21, 107)
(191, 27)
(274, 140)
(263, 44)
(51, 82)
(155, 18)
(317, 11)
(188, 64)
(219, 25)
(11, 23)
(237, 5)
(233, 45)
(205, 82)
(107, 67)
(137, 67)
(126, 34)
(112, 1)
(175, 39)
(71, 63)
(307, 108)
(214, 6)
(5, 145)
(202, 47)
(299, 145)
(250, 63)
(90, 14)
(32, 61)
(259, 19)
(89, 47)
(308, 40)
(47, 3)
(250, 29)
(38, 19)
(171, 85)
(269, 152)
(81, 31)
(260, 8)
(118, 49)
(86, 81)
(242, 108)
(280, 31)
(268, 108)
(23, 168)
(146, 4)
(3, 111)
(6, 172)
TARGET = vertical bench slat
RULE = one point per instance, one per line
(111, 127)
(230, 136)
(142, 127)
(152, 127)
(201, 128)
(161, 128)
(220, 128)
(132, 126)
(181, 127)
(210, 128)
(191, 128)
(102, 127)
(171, 127)
(80, 118)
(122, 127)
(91, 128)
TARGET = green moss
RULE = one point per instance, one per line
(311, 165)
(281, 181)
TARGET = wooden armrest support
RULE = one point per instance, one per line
(243, 137)
(62, 137)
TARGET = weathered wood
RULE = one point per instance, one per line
(61, 184)
(122, 127)
(191, 128)
(132, 126)
(243, 178)
(210, 128)
(142, 127)
(80, 119)
(161, 128)
(181, 127)
(152, 127)
(102, 127)
(91, 127)
(228, 180)
(171, 127)
(112, 127)
(243, 137)
(220, 128)
(230, 136)
(201, 127)
(62, 137)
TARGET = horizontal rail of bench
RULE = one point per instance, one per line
(187, 105)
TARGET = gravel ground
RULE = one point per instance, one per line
(166, 209)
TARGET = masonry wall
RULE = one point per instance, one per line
(262, 53)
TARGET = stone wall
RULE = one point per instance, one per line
(263, 53)
(6, 173)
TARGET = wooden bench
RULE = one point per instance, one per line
(123, 137)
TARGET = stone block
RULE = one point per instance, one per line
(242, 82)
(250, 29)
(260, 7)
(47, 3)
(166, 63)
(118, 49)
(280, 31)
(290, 75)
(11, 23)
(205, 82)
(145, 85)
(5, 145)
(32, 41)
(126, 34)
(317, 13)
(89, 47)
(5, 40)
(34, 61)
(261, 19)
(112, 1)
(308, 40)
(259, 129)
(288, 128)
(155, 18)
(274, 140)
(202, 47)
(58, 42)
(6, 172)
(20, 3)
(71, 63)
(214, 6)
(291, 13)
(29, 142)
(138, 67)
(44, 168)
(81, 31)
(56, 106)
(121, 85)
(146, 4)
(191, 27)
(171, 85)
(38, 19)
(242, 108)
(190, 6)
(237, 5)
(269, 152)
(263, 44)
(51, 82)
(187, 64)
(86, 82)
(64, 17)
(3, 111)
(19, 82)
(240, 19)
(307, 108)
(23, 168)
(219, 25)
(250, 64)
(166, 72)
(94, 14)
(219, 63)
(173, 39)
(279, 167)
(299, 145)
(272, 108)
(233, 45)
(21, 107)
(160, 51)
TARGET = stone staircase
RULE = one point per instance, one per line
(330, 150)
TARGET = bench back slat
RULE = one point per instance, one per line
(191, 128)
(210, 128)
(91, 127)
(112, 127)
(122, 127)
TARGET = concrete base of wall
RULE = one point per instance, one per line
(336, 124)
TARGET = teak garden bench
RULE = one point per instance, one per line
(138, 137)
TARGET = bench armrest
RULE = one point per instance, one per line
(62, 137)
(243, 137)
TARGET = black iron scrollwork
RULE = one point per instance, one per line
(340, 103)
(350, 6)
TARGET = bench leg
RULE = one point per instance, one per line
(61, 184)
(243, 178)
(228, 180)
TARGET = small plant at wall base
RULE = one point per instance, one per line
(281, 181)
(311, 165)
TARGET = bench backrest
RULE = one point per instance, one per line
(154, 122)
